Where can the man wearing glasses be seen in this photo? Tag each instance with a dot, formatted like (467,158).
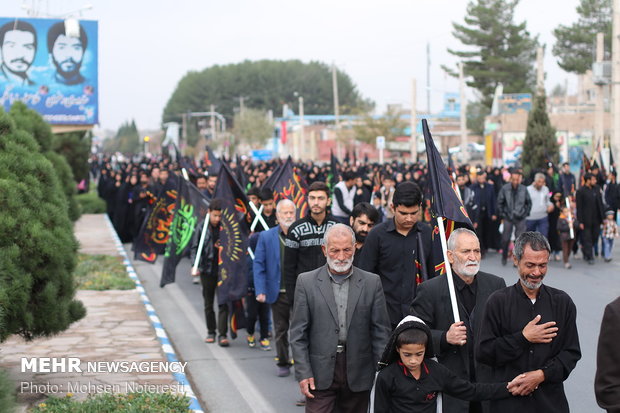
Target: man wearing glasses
(399,251)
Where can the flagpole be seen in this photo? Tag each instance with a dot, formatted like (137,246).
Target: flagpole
(570,218)
(258,218)
(185,175)
(205,228)
(444,247)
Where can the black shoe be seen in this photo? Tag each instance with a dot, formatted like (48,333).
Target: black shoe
(504,261)
(301,402)
(591,261)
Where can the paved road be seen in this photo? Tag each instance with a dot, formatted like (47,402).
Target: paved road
(243,379)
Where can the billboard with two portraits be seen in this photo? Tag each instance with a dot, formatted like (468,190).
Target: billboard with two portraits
(51,69)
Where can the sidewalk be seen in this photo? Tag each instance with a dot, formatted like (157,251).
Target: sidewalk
(116,329)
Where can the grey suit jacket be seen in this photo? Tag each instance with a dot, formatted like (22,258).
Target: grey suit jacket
(314,328)
(432,304)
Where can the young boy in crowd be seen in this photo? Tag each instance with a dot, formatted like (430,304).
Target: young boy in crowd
(565,222)
(610,231)
(410,381)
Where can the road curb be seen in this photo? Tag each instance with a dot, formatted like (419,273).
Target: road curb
(166,346)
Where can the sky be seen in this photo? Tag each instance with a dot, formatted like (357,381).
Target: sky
(146,47)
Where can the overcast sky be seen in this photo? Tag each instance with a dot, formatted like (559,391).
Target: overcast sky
(145,47)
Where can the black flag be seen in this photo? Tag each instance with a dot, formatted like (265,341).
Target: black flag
(445,202)
(155,230)
(234,232)
(190,210)
(290,185)
(211,161)
(233,244)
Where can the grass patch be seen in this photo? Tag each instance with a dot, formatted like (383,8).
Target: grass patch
(102,272)
(90,203)
(123,403)
(7,393)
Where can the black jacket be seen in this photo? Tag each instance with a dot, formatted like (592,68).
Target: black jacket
(432,304)
(205,266)
(590,206)
(513,205)
(503,346)
(302,251)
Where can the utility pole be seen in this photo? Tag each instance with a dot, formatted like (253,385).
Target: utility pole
(615,75)
(540,71)
(413,148)
(301,128)
(463,101)
(241,104)
(336,107)
(428,77)
(336,101)
(185,123)
(600,103)
(212,110)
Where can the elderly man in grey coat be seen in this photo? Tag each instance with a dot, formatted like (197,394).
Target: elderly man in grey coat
(339,329)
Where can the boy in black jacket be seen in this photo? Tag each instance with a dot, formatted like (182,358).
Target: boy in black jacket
(410,381)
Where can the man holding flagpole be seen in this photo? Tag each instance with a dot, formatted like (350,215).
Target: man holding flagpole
(207,273)
(454,341)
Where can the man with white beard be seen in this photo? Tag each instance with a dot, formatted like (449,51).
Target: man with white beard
(339,329)
(454,342)
(268,282)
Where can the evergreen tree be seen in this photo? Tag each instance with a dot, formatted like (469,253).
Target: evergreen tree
(540,145)
(30,121)
(127,139)
(575,45)
(37,247)
(65,176)
(498,50)
(75,147)
(265,85)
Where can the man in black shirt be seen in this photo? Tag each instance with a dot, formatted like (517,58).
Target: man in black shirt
(399,250)
(269,209)
(589,215)
(208,270)
(363,218)
(302,252)
(454,342)
(529,329)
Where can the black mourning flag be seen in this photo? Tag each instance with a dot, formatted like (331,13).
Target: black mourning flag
(288,184)
(190,210)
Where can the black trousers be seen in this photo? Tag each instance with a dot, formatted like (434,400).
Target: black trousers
(254,311)
(209,286)
(281,312)
(519,228)
(338,397)
(588,235)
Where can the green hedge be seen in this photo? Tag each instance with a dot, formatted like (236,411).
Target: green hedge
(118,403)
(90,203)
(7,393)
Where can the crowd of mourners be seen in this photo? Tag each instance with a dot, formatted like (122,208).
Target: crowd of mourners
(351,288)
